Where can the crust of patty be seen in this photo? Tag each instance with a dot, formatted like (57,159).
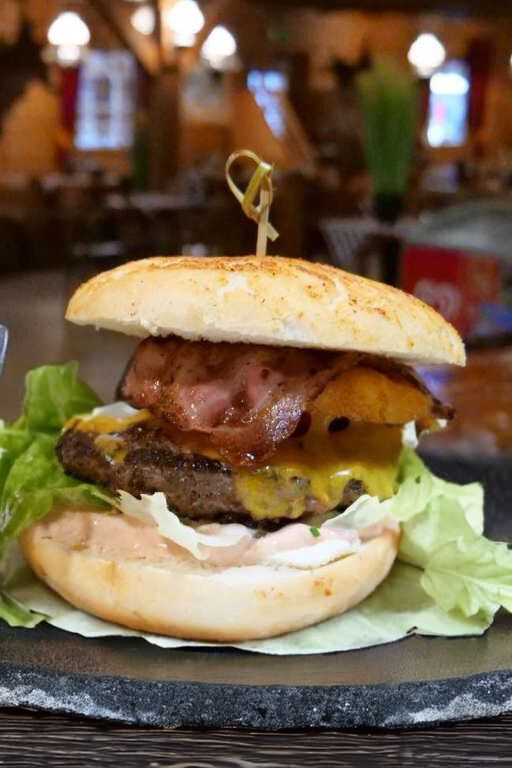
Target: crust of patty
(183,597)
(273,300)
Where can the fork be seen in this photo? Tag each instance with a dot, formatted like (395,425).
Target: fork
(4,338)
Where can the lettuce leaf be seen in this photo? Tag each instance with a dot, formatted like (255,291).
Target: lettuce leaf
(32,480)
(16,615)
(12,443)
(441,534)
(470,497)
(53,394)
(15,574)
(462,569)
(471,575)
(35,484)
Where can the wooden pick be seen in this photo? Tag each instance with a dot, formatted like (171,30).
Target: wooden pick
(259,184)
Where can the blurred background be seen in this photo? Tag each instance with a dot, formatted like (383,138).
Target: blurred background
(389,123)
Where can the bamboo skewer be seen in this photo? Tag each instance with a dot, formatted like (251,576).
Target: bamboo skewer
(260,185)
(265,202)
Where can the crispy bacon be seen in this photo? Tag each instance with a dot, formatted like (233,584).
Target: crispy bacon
(248,398)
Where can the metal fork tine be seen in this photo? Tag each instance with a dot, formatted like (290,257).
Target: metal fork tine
(4,338)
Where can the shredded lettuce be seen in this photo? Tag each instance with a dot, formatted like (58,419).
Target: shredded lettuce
(449,579)
(153,509)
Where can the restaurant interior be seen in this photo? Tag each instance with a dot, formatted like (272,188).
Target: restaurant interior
(388,124)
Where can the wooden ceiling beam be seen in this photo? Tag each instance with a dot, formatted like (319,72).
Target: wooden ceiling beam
(487,8)
(144,47)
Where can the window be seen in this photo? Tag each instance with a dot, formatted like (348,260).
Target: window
(267,89)
(106,101)
(448,105)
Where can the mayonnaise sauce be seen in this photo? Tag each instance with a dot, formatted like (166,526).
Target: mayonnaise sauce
(116,536)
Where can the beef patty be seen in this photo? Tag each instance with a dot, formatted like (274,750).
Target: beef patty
(147,461)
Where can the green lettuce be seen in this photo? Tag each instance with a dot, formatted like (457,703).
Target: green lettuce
(17,615)
(32,480)
(53,394)
(441,527)
(15,574)
(448,580)
(461,569)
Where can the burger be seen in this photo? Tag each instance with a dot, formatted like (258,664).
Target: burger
(262,414)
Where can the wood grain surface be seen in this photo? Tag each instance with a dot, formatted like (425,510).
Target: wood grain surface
(36,740)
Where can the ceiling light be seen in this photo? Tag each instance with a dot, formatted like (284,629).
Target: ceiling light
(69,29)
(143,20)
(219,46)
(426,54)
(185,20)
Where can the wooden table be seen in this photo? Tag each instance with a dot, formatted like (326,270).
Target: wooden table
(35,740)
(32,307)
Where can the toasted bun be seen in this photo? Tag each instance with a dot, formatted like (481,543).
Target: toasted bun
(183,597)
(271,300)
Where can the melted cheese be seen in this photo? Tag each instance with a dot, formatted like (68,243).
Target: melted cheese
(307,473)
(310,473)
(108,423)
(112,446)
(105,423)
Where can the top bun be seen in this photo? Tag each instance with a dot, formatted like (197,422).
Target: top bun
(265,300)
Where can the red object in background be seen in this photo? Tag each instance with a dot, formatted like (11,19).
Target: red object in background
(69,77)
(454,282)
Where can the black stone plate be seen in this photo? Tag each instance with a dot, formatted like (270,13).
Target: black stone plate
(415,681)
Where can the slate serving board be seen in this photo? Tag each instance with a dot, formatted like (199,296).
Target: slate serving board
(416,681)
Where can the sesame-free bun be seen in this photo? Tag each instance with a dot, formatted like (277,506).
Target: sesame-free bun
(270,300)
(175,594)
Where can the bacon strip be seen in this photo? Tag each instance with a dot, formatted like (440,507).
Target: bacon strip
(248,398)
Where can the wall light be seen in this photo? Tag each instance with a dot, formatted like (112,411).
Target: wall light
(426,54)
(219,47)
(185,20)
(143,19)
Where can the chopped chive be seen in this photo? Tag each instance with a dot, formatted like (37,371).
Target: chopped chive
(314,531)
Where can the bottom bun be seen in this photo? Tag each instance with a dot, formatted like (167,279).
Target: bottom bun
(172,593)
